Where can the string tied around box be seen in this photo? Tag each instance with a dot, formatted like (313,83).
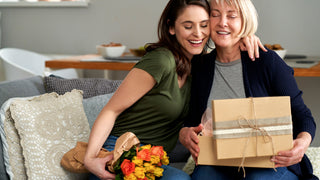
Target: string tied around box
(255,128)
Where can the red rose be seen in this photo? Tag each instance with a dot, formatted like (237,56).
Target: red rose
(127,167)
(144,154)
(157,151)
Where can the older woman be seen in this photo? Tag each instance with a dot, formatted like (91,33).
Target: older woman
(228,73)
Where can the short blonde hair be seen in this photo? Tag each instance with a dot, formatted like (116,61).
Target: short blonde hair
(248,13)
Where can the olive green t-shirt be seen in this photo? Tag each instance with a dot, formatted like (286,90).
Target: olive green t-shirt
(157,117)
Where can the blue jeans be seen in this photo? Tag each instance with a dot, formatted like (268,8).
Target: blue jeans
(169,173)
(223,172)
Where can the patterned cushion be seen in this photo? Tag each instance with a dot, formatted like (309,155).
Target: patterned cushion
(12,150)
(90,86)
(18,88)
(48,126)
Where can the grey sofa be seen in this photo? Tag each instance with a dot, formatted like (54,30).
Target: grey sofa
(92,89)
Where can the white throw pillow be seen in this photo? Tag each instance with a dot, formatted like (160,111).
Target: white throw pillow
(12,150)
(48,126)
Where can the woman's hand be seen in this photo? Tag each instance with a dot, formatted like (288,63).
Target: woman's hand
(137,83)
(97,166)
(188,137)
(295,155)
(252,44)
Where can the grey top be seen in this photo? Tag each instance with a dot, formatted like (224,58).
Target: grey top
(227,82)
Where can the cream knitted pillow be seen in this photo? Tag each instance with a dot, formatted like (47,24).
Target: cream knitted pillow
(48,126)
(12,150)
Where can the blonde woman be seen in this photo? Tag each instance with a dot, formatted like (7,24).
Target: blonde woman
(228,73)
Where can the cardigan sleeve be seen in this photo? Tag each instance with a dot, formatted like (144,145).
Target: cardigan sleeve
(285,84)
(277,79)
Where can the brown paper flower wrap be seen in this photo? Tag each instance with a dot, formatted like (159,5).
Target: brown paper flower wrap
(73,159)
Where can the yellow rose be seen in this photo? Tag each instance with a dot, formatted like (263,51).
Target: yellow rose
(165,160)
(158,172)
(164,154)
(139,172)
(149,167)
(148,146)
(150,176)
(137,161)
(155,159)
(130,177)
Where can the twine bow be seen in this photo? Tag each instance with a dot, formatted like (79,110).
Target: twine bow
(254,129)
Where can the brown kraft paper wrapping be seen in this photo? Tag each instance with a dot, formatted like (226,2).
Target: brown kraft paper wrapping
(248,130)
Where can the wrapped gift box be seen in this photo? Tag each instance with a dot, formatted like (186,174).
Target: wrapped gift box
(250,128)
(207,156)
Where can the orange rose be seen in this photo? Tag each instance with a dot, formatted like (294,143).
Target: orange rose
(127,167)
(157,151)
(144,154)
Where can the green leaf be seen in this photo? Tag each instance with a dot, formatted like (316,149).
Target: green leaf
(119,176)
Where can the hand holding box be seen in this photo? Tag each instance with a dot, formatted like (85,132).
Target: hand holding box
(248,129)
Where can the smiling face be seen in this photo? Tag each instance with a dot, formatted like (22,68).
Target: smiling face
(192,30)
(225,22)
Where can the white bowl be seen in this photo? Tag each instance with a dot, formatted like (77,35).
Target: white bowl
(281,53)
(112,51)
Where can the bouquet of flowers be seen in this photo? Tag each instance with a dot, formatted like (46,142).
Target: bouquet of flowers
(141,163)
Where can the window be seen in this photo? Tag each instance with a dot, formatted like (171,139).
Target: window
(43,3)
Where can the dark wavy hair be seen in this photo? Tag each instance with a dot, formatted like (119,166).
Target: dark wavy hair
(168,18)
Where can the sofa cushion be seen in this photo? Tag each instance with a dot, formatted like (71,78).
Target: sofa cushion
(93,105)
(14,162)
(48,126)
(19,88)
(90,86)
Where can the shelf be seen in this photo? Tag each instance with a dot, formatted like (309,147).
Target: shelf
(46,4)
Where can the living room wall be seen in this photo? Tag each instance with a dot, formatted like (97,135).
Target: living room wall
(70,30)
(291,23)
(62,30)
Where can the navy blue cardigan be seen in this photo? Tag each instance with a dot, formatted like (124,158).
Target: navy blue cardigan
(268,75)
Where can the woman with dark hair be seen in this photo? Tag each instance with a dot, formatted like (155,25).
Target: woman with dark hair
(153,99)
